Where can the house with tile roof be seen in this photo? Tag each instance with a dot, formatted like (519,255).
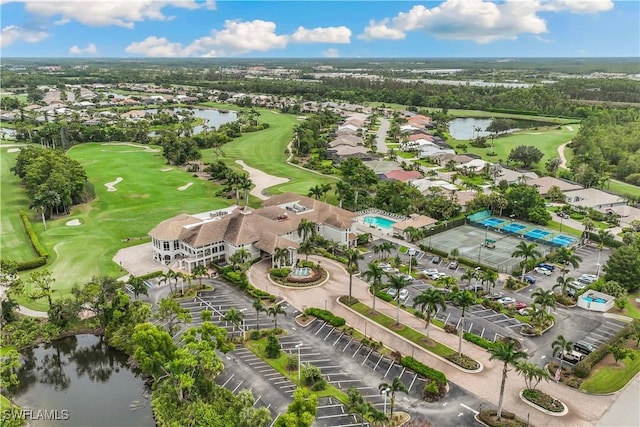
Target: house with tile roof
(200,239)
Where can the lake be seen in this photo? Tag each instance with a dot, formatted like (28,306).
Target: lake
(464,128)
(212,118)
(87,378)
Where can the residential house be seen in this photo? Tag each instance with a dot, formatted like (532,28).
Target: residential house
(514,177)
(544,183)
(190,240)
(593,198)
(401,175)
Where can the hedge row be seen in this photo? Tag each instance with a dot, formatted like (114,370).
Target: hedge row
(479,341)
(31,264)
(280,272)
(151,275)
(583,368)
(384,296)
(325,315)
(33,236)
(424,370)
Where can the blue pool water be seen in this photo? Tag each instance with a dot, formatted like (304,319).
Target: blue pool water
(600,300)
(379,221)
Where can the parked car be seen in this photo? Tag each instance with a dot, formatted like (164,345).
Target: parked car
(453,265)
(411,252)
(384,265)
(407,277)
(526,311)
(436,260)
(530,279)
(573,356)
(506,300)
(475,288)
(404,294)
(563,215)
(393,292)
(549,267)
(494,296)
(430,271)
(441,275)
(583,347)
(390,270)
(542,270)
(519,305)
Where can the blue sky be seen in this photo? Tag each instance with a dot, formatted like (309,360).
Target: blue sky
(209,28)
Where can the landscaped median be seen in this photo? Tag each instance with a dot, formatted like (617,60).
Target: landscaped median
(443,352)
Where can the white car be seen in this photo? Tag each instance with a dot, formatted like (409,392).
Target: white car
(541,270)
(441,275)
(384,265)
(404,294)
(393,292)
(406,277)
(430,271)
(390,270)
(506,300)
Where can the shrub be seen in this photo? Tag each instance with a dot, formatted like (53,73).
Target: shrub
(292,362)
(451,329)
(424,370)
(31,264)
(280,272)
(384,296)
(583,368)
(272,349)
(326,315)
(151,275)
(543,400)
(311,374)
(33,236)
(482,342)
(319,385)
(433,391)
(463,361)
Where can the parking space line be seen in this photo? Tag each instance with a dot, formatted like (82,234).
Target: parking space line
(229,379)
(492,315)
(365,359)
(325,338)
(345,347)
(357,350)
(413,381)
(338,339)
(237,387)
(378,362)
(600,335)
(321,328)
(390,366)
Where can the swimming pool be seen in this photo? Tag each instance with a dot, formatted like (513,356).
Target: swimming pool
(600,300)
(379,221)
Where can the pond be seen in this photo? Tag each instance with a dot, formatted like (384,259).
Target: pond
(212,118)
(465,128)
(86,378)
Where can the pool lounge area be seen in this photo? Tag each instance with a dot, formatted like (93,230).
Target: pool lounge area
(596,301)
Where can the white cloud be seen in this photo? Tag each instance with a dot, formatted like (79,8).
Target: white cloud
(577,6)
(12,33)
(156,47)
(90,49)
(331,53)
(381,30)
(482,21)
(322,35)
(240,37)
(123,13)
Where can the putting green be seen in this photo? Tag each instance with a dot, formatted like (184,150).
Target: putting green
(145,196)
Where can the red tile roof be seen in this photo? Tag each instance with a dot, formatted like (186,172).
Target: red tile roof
(404,176)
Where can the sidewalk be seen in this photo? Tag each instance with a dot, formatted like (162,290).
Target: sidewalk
(584,410)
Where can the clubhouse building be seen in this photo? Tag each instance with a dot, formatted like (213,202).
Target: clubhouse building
(189,240)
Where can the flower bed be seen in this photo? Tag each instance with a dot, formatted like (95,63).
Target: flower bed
(543,400)
(464,361)
(508,419)
(283,277)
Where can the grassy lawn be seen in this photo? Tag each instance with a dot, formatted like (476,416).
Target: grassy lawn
(552,225)
(547,140)
(280,365)
(404,331)
(15,243)
(405,155)
(623,188)
(145,197)
(608,379)
(633,308)
(265,150)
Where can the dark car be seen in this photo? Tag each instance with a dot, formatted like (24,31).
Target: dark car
(547,266)
(530,279)
(453,265)
(583,347)
(436,260)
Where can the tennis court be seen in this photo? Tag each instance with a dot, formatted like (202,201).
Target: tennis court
(493,222)
(563,240)
(470,241)
(514,227)
(537,234)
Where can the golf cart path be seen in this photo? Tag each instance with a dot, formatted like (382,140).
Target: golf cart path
(563,159)
(261,180)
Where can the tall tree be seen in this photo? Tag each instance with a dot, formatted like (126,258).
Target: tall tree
(235,317)
(396,386)
(307,229)
(41,283)
(315,191)
(280,256)
(259,307)
(353,256)
(560,346)
(398,283)
(429,301)
(199,271)
(510,356)
(374,274)
(544,299)
(526,252)
(275,310)
(172,315)
(464,300)
(137,286)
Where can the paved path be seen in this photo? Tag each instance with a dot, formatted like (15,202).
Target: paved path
(381,145)
(584,410)
(261,180)
(624,411)
(563,159)
(32,313)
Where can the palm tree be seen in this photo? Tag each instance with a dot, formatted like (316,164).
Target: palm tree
(374,274)
(455,253)
(490,277)
(280,256)
(429,301)
(274,311)
(325,189)
(306,247)
(589,225)
(378,418)
(565,257)
(357,405)
(559,347)
(258,306)
(315,191)
(386,248)
(525,251)
(398,283)
(395,386)
(544,299)
(239,257)
(137,286)
(464,300)
(469,274)
(562,283)
(509,355)
(235,317)
(352,255)
(603,236)
(245,185)
(168,277)
(199,271)
(306,229)
(532,374)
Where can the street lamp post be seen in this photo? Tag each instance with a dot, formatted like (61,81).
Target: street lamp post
(384,393)
(561,218)
(298,347)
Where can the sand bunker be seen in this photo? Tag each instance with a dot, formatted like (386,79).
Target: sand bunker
(184,187)
(13,150)
(261,180)
(166,169)
(111,186)
(73,223)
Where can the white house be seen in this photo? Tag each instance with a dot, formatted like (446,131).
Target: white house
(191,240)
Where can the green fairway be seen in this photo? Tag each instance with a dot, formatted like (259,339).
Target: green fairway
(623,188)
(14,241)
(547,140)
(146,196)
(265,150)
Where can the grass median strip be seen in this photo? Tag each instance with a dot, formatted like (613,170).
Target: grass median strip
(609,379)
